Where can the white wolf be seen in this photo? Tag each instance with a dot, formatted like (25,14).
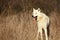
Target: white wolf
(42,22)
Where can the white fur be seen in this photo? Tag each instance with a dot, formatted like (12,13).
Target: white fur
(42,22)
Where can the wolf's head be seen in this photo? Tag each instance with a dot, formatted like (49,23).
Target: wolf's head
(36,12)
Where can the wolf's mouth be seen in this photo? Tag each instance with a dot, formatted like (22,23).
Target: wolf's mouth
(34,18)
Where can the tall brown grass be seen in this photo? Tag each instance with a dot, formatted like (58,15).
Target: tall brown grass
(16,19)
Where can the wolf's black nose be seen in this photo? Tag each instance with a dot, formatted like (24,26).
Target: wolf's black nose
(32,16)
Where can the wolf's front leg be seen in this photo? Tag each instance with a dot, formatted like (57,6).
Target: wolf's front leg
(46,34)
(41,34)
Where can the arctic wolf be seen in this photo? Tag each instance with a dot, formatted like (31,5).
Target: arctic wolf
(42,22)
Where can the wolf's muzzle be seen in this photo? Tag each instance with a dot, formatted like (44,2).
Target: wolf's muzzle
(34,17)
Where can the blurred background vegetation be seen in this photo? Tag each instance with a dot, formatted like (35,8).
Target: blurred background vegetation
(16,19)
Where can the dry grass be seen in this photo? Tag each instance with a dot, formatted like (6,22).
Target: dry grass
(16,20)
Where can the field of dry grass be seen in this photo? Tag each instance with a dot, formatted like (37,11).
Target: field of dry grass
(16,19)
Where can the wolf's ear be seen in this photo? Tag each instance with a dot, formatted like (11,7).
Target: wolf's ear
(33,9)
(39,9)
